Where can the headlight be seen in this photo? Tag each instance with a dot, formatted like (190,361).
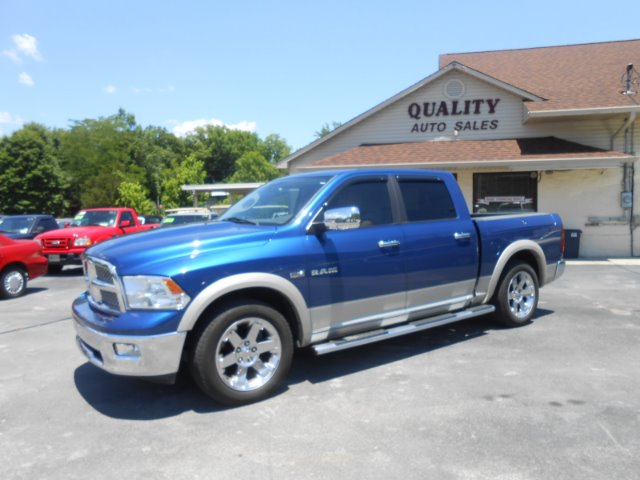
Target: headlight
(82,242)
(154,293)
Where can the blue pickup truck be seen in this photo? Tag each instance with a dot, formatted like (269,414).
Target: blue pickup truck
(327,260)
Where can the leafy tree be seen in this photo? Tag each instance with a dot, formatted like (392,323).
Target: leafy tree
(219,148)
(327,129)
(253,167)
(31,180)
(187,172)
(134,195)
(274,148)
(92,150)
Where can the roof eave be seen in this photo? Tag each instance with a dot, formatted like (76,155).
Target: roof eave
(568,163)
(573,112)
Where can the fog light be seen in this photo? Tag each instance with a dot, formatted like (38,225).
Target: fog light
(126,349)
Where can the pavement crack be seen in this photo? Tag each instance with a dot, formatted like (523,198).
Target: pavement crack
(30,327)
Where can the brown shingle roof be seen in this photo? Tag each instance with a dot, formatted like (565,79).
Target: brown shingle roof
(460,151)
(569,77)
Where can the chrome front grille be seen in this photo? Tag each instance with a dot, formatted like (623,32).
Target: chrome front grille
(57,243)
(103,286)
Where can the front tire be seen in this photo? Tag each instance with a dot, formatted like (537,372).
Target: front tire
(13,282)
(516,299)
(242,354)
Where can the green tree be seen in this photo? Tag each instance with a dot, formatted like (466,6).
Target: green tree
(187,172)
(134,195)
(93,151)
(327,129)
(274,148)
(219,148)
(31,180)
(253,167)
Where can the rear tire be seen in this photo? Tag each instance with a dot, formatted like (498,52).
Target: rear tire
(516,298)
(242,354)
(13,282)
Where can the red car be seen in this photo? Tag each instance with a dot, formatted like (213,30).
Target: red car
(20,260)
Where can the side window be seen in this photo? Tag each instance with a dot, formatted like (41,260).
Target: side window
(127,216)
(426,199)
(370,198)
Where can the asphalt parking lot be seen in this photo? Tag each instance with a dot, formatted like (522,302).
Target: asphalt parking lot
(557,399)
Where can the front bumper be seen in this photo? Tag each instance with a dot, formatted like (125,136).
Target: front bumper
(131,355)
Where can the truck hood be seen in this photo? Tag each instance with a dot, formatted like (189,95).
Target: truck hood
(170,251)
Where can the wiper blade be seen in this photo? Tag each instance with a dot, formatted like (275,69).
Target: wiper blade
(240,220)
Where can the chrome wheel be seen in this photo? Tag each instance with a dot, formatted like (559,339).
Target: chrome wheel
(14,283)
(248,354)
(522,294)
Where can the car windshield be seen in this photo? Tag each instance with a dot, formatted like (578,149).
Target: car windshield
(16,224)
(102,218)
(277,202)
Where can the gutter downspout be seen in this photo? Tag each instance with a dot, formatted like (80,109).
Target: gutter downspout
(628,181)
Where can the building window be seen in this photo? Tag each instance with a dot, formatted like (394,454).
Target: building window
(505,192)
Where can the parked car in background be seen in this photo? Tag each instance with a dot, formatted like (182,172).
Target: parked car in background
(20,261)
(183,216)
(26,227)
(65,246)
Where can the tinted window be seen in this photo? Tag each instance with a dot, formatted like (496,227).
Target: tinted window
(371,198)
(426,199)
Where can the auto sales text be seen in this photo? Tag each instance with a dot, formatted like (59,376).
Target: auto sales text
(454,108)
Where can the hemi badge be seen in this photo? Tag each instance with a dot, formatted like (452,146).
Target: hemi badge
(298,274)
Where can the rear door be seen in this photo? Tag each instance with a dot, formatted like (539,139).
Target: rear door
(355,269)
(440,249)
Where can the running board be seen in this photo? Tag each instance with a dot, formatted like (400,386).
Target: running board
(404,329)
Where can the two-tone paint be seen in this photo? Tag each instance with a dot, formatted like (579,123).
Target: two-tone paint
(329,285)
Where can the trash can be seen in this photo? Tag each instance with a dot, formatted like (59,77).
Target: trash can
(572,243)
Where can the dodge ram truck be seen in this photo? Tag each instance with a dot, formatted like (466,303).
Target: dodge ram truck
(65,246)
(324,260)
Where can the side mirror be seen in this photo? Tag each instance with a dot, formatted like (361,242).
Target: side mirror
(342,218)
(125,223)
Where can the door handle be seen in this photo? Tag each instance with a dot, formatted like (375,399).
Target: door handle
(388,243)
(462,235)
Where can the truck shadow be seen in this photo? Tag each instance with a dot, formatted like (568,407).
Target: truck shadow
(133,399)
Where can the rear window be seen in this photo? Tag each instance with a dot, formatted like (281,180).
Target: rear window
(426,199)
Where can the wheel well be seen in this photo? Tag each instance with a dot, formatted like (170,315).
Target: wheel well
(19,265)
(271,297)
(527,257)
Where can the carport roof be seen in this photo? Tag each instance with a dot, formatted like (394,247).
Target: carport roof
(523,153)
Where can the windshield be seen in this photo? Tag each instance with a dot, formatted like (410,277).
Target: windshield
(102,218)
(277,202)
(16,224)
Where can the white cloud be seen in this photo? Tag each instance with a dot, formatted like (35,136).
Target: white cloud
(110,89)
(184,128)
(9,119)
(24,45)
(25,79)
(13,56)
(27,45)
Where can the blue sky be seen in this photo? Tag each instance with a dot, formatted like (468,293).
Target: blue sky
(285,67)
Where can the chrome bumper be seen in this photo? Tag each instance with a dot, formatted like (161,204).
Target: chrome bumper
(139,356)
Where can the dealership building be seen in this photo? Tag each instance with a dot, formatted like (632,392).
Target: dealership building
(542,129)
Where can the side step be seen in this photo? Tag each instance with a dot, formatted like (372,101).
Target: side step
(404,329)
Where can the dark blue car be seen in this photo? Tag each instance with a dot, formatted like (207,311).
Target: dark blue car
(25,227)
